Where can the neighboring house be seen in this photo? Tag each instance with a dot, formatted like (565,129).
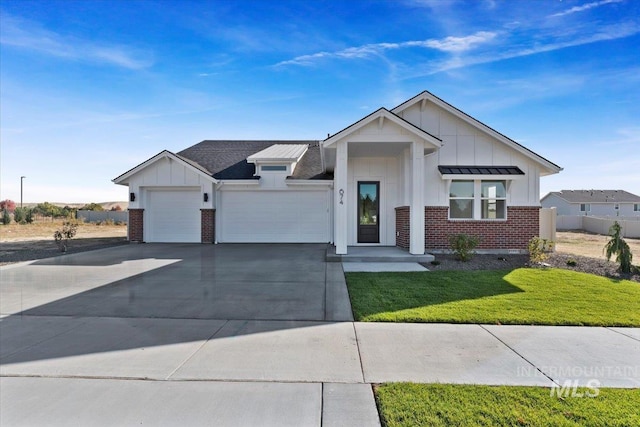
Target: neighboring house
(406,177)
(593,202)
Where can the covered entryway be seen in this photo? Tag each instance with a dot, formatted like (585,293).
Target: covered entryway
(275,216)
(172,216)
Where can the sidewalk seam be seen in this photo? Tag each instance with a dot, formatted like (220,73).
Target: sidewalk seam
(521,356)
(620,333)
(180,365)
(355,333)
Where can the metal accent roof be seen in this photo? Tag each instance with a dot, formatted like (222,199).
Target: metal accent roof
(480,170)
(596,196)
(279,152)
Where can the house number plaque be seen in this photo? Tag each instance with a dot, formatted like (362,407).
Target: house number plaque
(341,196)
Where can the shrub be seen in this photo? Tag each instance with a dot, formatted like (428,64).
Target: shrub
(618,247)
(572,262)
(463,245)
(92,207)
(108,221)
(538,249)
(19,215)
(7,204)
(6,218)
(63,236)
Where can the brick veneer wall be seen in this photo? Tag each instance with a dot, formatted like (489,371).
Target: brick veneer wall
(136,225)
(402,227)
(208,225)
(523,222)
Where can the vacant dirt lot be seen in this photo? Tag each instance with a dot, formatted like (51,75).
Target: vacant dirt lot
(34,241)
(589,245)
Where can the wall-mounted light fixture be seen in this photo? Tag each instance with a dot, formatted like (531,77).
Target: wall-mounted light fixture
(132,197)
(206,197)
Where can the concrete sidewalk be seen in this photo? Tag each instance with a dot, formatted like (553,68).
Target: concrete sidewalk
(284,372)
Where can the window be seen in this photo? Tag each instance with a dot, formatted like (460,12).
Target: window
(273,168)
(616,206)
(494,199)
(461,197)
(636,207)
(585,207)
(478,199)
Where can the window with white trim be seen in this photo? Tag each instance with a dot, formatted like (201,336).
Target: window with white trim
(585,207)
(616,206)
(478,199)
(636,207)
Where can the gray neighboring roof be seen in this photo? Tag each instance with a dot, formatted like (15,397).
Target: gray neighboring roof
(596,196)
(480,170)
(228,159)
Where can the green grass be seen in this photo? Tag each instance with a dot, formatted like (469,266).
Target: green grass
(524,296)
(403,404)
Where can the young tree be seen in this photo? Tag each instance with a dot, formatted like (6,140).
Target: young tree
(6,218)
(8,205)
(618,247)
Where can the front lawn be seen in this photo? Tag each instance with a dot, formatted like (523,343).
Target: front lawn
(524,296)
(403,404)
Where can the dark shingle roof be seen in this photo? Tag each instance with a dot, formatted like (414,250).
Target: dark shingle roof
(480,170)
(228,159)
(597,196)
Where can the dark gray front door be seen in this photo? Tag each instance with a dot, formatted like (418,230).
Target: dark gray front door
(368,212)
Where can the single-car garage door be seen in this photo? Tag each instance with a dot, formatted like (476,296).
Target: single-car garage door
(172,216)
(274,217)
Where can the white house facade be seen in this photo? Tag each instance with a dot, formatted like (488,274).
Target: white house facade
(406,177)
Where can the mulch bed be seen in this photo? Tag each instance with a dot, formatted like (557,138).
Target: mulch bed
(584,264)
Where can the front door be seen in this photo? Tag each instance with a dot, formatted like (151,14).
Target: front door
(368,212)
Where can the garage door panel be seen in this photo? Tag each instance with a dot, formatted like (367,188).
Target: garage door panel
(275,217)
(173,216)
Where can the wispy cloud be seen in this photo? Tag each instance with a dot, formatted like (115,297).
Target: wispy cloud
(27,35)
(448,44)
(584,7)
(613,32)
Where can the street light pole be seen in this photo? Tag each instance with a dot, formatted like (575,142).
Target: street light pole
(21,179)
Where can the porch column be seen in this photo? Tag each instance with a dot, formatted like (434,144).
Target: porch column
(416,224)
(341,199)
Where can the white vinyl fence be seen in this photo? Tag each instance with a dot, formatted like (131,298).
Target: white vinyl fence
(95,216)
(600,225)
(548,224)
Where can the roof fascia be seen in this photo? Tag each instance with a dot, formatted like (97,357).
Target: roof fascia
(122,179)
(388,115)
(426,95)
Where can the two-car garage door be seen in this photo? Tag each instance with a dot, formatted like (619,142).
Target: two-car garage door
(274,217)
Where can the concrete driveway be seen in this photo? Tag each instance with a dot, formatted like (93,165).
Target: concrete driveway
(246,335)
(248,282)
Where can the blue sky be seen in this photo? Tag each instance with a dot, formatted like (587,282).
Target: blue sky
(89,89)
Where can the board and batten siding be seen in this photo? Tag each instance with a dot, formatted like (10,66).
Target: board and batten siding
(168,173)
(465,145)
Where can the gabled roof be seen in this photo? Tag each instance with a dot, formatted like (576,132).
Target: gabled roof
(383,114)
(595,196)
(280,153)
(428,96)
(228,159)
(190,164)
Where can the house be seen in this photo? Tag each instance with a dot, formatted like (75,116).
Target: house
(406,177)
(593,202)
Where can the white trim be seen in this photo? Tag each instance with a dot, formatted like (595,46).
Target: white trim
(121,180)
(463,177)
(307,183)
(234,182)
(382,113)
